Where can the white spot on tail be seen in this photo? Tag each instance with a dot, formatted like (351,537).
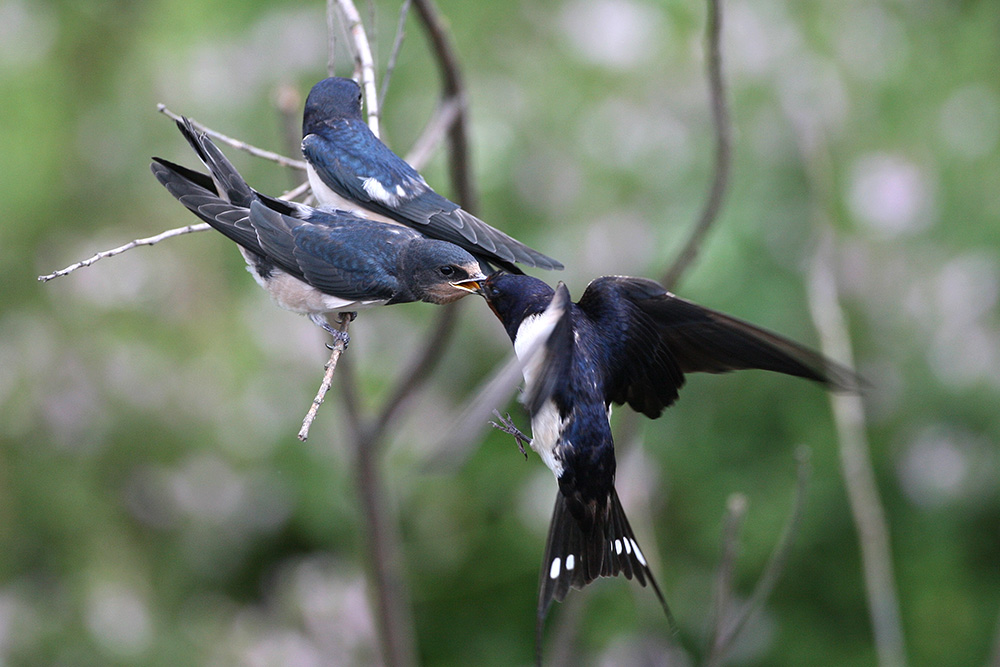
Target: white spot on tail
(554,570)
(618,546)
(570,562)
(638,554)
(628,547)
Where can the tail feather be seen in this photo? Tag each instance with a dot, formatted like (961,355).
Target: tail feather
(575,556)
(193,191)
(228,181)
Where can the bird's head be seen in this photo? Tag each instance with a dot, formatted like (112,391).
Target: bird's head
(514,297)
(442,272)
(330,99)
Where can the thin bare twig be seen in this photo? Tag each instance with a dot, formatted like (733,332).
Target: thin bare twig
(331,42)
(236,143)
(151,240)
(434,132)
(397,45)
(363,62)
(723,150)
(736,510)
(337,349)
(454,88)
(855,461)
(725,633)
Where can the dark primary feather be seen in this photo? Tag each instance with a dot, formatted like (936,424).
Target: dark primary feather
(345,153)
(661,337)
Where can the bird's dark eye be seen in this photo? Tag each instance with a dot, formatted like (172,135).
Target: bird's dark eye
(447,270)
(494,291)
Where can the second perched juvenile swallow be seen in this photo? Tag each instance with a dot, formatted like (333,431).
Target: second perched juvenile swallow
(627,340)
(351,169)
(316,261)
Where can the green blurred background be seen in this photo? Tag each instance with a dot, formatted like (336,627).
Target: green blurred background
(155,505)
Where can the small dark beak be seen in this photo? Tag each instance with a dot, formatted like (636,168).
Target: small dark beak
(471,285)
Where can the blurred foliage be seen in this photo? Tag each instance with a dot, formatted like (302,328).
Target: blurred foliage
(155,505)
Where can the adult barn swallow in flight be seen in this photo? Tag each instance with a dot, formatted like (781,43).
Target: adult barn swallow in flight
(315,261)
(627,340)
(351,169)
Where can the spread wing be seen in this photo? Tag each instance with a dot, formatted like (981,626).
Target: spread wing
(660,337)
(353,163)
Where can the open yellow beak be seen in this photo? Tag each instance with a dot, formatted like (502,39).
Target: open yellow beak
(470,285)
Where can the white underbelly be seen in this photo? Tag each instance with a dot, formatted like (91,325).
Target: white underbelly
(299,297)
(546,430)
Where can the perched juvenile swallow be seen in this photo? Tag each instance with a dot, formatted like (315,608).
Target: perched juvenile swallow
(314,261)
(627,340)
(351,169)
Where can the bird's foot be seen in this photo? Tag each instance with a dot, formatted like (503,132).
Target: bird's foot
(338,335)
(507,426)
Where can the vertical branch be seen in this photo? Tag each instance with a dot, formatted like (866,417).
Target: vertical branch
(725,631)
(855,461)
(723,150)
(382,537)
(736,511)
(381,531)
(331,42)
(454,88)
(329,369)
(397,45)
(364,65)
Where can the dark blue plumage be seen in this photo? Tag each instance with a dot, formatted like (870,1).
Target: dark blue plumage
(627,340)
(351,169)
(315,261)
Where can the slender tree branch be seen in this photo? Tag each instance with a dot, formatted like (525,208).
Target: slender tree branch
(454,88)
(397,45)
(331,41)
(736,509)
(151,240)
(236,143)
(434,132)
(419,370)
(855,460)
(337,349)
(723,150)
(382,535)
(725,631)
(288,102)
(363,63)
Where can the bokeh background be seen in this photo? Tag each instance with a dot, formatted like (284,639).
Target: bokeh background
(155,505)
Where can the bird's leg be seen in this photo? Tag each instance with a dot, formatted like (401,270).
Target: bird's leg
(338,335)
(507,426)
